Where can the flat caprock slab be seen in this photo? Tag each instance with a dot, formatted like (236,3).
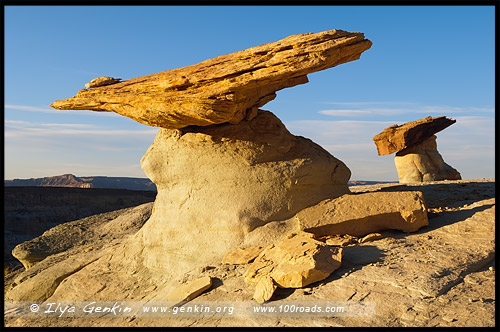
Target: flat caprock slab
(226,88)
(399,137)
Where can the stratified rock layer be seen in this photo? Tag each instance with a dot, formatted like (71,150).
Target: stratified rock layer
(218,183)
(423,163)
(398,137)
(227,88)
(80,232)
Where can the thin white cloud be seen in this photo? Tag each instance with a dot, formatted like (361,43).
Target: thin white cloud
(26,129)
(340,128)
(30,108)
(18,124)
(345,112)
(362,103)
(42,132)
(398,108)
(482,109)
(365,112)
(473,119)
(55,111)
(349,147)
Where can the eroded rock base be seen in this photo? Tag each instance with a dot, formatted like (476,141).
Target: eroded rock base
(218,184)
(423,163)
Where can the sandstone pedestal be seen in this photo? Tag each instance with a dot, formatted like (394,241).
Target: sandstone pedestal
(216,184)
(423,163)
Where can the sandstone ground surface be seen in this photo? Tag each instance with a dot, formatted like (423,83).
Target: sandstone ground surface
(443,275)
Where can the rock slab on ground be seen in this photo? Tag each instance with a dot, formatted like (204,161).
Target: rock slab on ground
(264,289)
(242,255)
(30,211)
(92,229)
(364,213)
(67,248)
(189,291)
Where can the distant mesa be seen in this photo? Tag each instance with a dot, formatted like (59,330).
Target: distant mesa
(70,180)
(417,158)
(366,183)
(130,183)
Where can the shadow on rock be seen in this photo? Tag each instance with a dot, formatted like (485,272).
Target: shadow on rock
(451,217)
(441,220)
(354,258)
(282,293)
(455,192)
(216,283)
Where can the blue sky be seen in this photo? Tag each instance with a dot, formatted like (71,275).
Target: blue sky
(425,60)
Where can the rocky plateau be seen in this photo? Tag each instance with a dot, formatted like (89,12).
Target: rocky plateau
(443,275)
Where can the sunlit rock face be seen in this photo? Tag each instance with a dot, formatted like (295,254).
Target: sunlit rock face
(226,88)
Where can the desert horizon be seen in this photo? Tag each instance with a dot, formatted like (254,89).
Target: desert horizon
(69,179)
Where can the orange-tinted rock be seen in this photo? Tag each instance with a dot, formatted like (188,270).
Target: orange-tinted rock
(362,214)
(295,262)
(264,289)
(398,137)
(242,255)
(189,291)
(227,88)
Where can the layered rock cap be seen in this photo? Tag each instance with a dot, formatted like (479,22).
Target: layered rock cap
(227,88)
(222,182)
(399,137)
